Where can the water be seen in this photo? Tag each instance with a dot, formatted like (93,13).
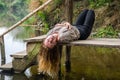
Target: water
(11,46)
(87,63)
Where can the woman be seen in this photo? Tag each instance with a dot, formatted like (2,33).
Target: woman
(49,56)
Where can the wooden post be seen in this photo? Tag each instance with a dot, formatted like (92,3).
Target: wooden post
(68,16)
(2,77)
(60,51)
(69,10)
(2,50)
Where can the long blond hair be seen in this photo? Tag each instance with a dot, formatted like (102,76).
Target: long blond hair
(48,61)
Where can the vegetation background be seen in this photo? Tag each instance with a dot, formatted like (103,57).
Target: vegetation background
(107,23)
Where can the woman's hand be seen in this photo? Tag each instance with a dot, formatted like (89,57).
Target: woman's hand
(67,24)
(64,24)
(59,25)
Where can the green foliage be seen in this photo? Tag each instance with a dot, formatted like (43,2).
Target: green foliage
(2,6)
(12,11)
(108,32)
(56,18)
(43,16)
(98,3)
(31,20)
(25,32)
(58,2)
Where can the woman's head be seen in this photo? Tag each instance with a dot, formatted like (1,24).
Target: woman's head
(51,40)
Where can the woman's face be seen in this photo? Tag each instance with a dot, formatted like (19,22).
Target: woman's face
(51,41)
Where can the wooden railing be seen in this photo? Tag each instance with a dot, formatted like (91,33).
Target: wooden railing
(16,25)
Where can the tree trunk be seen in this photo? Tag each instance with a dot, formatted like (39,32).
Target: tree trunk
(69,10)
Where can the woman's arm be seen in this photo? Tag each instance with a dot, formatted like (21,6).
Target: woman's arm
(67,35)
(64,24)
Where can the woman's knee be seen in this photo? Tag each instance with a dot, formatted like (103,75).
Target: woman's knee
(91,13)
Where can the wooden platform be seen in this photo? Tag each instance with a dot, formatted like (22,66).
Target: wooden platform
(33,46)
(7,66)
(106,42)
(98,42)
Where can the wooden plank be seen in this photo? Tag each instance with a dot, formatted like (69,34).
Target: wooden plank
(19,55)
(7,66)
(106,42)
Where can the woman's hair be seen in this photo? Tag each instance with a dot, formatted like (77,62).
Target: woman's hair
(48,61)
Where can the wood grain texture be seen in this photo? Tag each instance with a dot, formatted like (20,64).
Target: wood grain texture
(106,42)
